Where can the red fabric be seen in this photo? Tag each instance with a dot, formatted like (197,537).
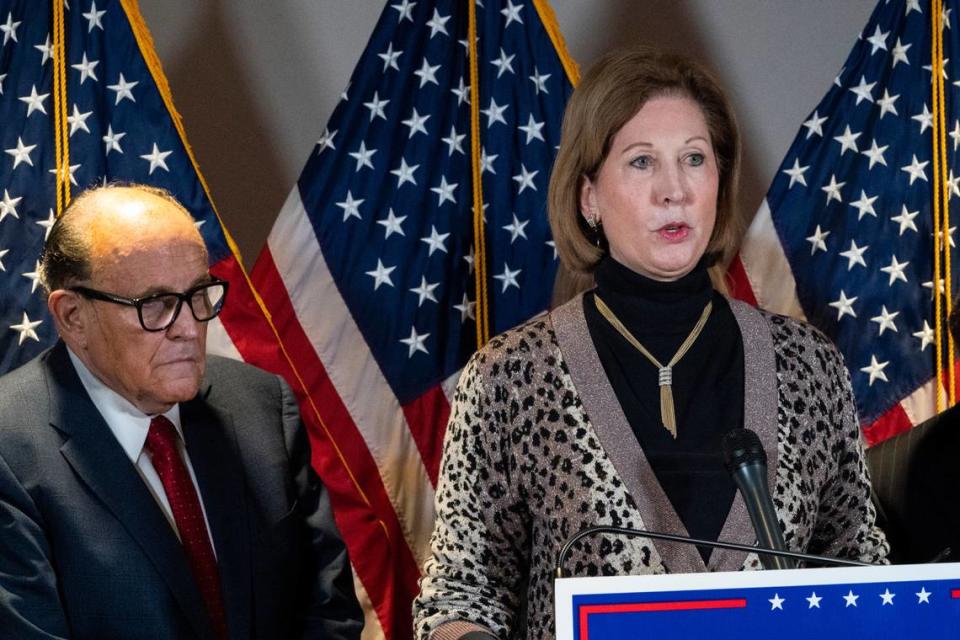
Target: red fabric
(187,513)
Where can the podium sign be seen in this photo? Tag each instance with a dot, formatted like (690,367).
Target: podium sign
(905,601)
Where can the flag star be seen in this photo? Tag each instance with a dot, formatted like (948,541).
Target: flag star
(416,123)
(462,92)
(157,158)
(48,223)
(817,240)
(392,224)
(516,229)
(878,41)
(78,120)
(815,125)
(415,342)
(438,24)
(953,183)
(923,596)
(444,191)
(425,291)
(495,113)
(381,275)
(8,206)
(9,30)
(427,73)
(864,90)
(345,94)
(900,54)
(886,321)
(112,140)
(929,285)
(351,207)
(916,169)
(508,278)
(854,255)
(123,89)
(796,173)
(525,178)
(86,69)
(844,305)
(836,79)
(814,600)
(955,134)
(864,205)
(943,69)
(33,276)
(486,161)
(34,101)
(326,140)
(850,599)
(776,602)
(466,309)
(503,63)
(833,189)
(436,241)
(404,173)
(875,154)
(93,17)
(875,371)
(925,335)
(886,104)
(532,129)
(469,259)
(848,141)
(512,13)
(2,76)
(886,596)
(21,153)
(539,81)
(905,219)
(404,9)
(453,141)
(390,58)
(553,245)
(376,107)
(4,252)
(913,5)
(71,170)
(362,156)
(27,329)
(925,118)
(945,18)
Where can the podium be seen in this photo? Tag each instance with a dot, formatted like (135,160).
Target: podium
(905,601)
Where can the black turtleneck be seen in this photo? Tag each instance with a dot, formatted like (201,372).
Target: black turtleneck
(707,383)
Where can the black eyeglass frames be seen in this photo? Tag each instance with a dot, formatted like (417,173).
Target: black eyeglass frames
(159,311)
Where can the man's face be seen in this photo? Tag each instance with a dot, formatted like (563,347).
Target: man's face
(153,370)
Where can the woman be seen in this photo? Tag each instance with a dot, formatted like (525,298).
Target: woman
(610,410)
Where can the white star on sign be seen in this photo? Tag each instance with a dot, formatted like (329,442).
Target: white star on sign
(864,90)
(905,219)
(466,309)
(814,600)
(817,240)
(525,178)
(925,335)
(895,270)
(438,24)
(27,329)
(844,305)
(875,154)
(851,599)
(875,370)
(886,104)
(93,17)
(392,224)
(436,241)
(78,120)
(539,81)
(854,255)
(495,113)
(532,129)
(886,596)
(123,89)
(776,602)
(351,207)
(899,54)
(864,205)
(9,29)
(916,169)
(111,141)
(878,41)
(815,125)
(425,291)
(34,101)
(86,69)
(404,173)
(923,596)
(833,189)
(381,275)
(503,63)
(796,173)
(415,342)
(925,118)
(847,141)
(453,141)
(157,158)
(415,123)
(886,320)
(508,278)
(512,13)
(427,73)
(376,107)
(362,156)
(8,206)
(21,153)
(444,191)
(516,228)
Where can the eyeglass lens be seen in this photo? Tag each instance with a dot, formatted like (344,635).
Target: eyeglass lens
(158,312)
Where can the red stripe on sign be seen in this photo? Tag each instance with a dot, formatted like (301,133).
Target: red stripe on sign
(894,421)
(739,282)
(367,520)
(642,607)
(423,415)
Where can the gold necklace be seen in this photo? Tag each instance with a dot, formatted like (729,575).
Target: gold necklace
(668,414)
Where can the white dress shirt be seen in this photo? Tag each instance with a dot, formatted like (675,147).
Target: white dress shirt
(129,426)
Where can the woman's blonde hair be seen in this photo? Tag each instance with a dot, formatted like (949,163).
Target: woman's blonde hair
(609,95)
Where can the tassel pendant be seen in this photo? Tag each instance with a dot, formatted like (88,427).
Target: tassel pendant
(667,412)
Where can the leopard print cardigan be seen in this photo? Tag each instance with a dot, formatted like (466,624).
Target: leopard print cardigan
(537,449)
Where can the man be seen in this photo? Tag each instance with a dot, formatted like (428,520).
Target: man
(147,490)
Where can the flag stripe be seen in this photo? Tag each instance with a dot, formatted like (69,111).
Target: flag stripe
(427,417)
(767,268)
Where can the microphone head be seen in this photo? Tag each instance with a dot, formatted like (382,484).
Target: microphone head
(742,447)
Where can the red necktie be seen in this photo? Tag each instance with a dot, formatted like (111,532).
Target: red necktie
(187,513)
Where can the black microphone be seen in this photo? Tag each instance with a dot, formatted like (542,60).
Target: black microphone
(747,463)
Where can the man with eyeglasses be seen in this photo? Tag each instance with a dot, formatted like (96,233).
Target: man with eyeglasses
(148,490)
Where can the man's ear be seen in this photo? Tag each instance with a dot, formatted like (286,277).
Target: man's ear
(67,310)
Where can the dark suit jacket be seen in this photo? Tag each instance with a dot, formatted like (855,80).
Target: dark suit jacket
(86,552)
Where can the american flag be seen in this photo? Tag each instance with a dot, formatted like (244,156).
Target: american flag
(845,236)
(369,272)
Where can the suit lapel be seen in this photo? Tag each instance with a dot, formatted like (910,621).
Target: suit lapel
(211,442)
(100,462)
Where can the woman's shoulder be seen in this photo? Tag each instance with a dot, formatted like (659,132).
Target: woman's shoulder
(524,342)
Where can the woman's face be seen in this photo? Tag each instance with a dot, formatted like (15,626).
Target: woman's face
(656,191)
